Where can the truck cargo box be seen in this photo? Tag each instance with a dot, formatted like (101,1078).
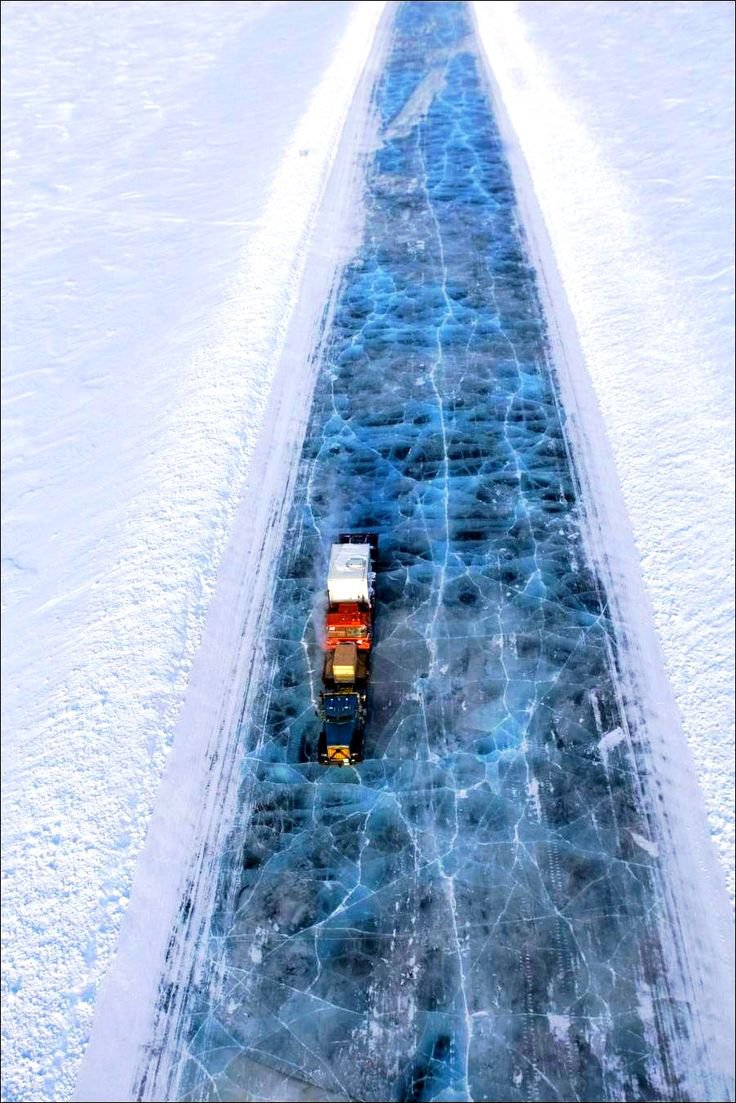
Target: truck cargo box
(360,670)
(345,663)
(350,576)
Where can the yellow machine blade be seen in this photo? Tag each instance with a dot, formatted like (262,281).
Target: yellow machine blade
(338,756)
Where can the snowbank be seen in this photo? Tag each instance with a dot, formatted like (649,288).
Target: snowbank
(623,113)
(164,165)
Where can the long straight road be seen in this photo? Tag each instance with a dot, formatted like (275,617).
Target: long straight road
(477,911)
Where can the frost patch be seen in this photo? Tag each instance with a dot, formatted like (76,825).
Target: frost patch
(609,741)
(651,848)
(559,1025)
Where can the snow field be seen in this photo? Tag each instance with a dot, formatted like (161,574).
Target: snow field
(156,225)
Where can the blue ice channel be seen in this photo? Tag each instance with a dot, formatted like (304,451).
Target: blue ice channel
(467,915)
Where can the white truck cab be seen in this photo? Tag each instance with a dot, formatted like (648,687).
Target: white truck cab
(350,577)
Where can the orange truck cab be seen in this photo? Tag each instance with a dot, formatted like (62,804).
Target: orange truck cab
(348,622)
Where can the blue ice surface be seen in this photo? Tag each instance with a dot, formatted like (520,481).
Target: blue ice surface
(467,914)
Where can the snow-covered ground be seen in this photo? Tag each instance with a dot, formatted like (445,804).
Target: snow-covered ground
(163,164)
(624,115)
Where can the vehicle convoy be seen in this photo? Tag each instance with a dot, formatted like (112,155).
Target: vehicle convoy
(348,639)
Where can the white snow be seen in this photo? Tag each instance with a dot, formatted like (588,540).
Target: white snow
(559,1026)
(611,740)
(532,789)
(163,166)
(646,844)
(624,116)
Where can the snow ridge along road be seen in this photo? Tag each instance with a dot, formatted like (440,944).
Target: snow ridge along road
(156,227)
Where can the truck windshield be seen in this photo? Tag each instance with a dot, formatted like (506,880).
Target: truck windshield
(340,708)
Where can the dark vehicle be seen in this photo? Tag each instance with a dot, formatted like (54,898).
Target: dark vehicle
(343,719)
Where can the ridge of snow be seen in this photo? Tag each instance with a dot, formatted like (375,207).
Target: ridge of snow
(156,226)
